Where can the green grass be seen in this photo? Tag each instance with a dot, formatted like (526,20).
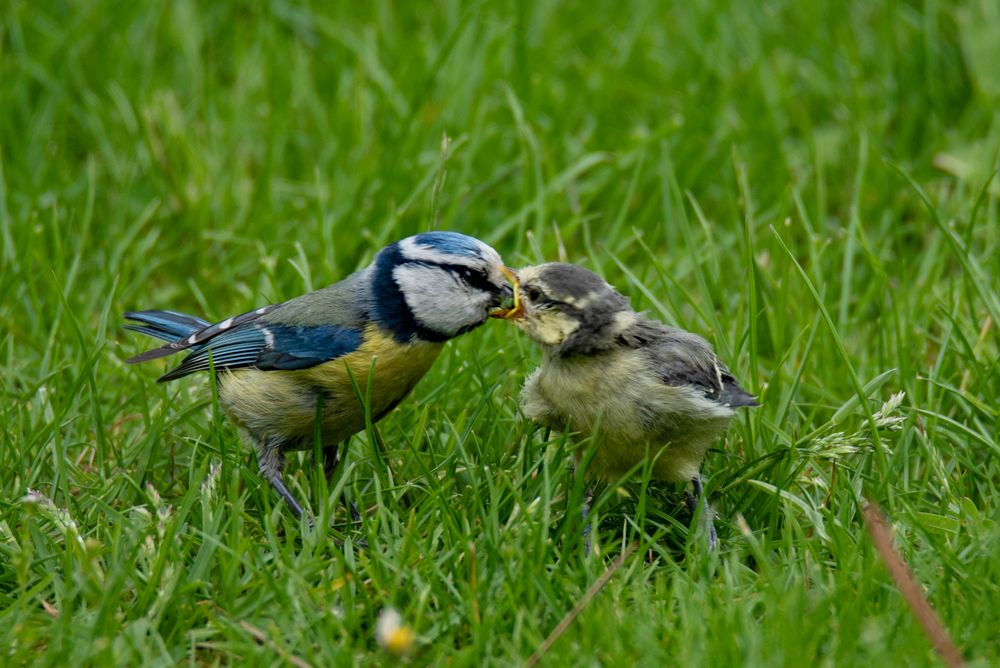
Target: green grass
(808,185)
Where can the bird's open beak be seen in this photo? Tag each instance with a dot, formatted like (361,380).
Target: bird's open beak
(516,309)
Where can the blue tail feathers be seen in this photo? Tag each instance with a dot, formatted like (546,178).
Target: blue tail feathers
(185,332)
(165,325)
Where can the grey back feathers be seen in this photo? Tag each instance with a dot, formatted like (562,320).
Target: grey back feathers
(346,304)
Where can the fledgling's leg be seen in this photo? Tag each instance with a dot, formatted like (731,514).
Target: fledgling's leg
(331,460)
(271,461)
(588,496)
(692,504)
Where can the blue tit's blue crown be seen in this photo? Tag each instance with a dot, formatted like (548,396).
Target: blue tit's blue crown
(452,243)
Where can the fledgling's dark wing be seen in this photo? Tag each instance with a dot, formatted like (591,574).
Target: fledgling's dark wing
(681,358)
(270,347)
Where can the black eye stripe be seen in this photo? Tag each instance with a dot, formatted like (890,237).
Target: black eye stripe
(480,281)
(475,278)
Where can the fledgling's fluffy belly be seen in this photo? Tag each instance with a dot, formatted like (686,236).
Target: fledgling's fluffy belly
(633,415)
(283,405)
(674,459)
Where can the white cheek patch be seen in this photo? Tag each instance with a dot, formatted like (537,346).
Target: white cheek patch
(439,300)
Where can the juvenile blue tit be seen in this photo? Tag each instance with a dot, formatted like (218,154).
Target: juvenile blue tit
(283,367)
(653,392)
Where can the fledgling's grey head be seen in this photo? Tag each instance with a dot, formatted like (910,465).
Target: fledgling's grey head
(437,285)
(570,310)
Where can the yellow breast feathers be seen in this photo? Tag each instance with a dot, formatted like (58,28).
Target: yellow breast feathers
(283,404)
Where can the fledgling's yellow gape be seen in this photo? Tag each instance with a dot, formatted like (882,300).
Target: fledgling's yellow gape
(652,391)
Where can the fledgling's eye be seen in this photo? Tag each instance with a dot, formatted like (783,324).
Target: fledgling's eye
(533,293)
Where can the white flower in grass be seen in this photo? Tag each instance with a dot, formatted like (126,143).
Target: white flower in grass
(392,634)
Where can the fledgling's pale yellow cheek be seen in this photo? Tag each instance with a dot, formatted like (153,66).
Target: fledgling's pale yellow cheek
(547,327)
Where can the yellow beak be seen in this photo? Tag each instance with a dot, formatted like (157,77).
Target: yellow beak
(517,309)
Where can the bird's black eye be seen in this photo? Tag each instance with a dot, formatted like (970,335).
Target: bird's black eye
(533,293)
(476,278)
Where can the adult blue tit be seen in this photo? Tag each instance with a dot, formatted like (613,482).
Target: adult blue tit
(283,367)
(651,392)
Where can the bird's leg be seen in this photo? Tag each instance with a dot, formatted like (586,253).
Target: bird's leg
(331,460)
(279,485)
(691,500)
(271,461)
(692,504)
(588,496)
(352,509)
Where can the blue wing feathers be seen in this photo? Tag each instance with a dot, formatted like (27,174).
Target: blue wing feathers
(229,325)
(303,347)
(269,348)
(241,341)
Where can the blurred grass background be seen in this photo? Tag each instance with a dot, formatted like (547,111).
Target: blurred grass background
(808,185)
